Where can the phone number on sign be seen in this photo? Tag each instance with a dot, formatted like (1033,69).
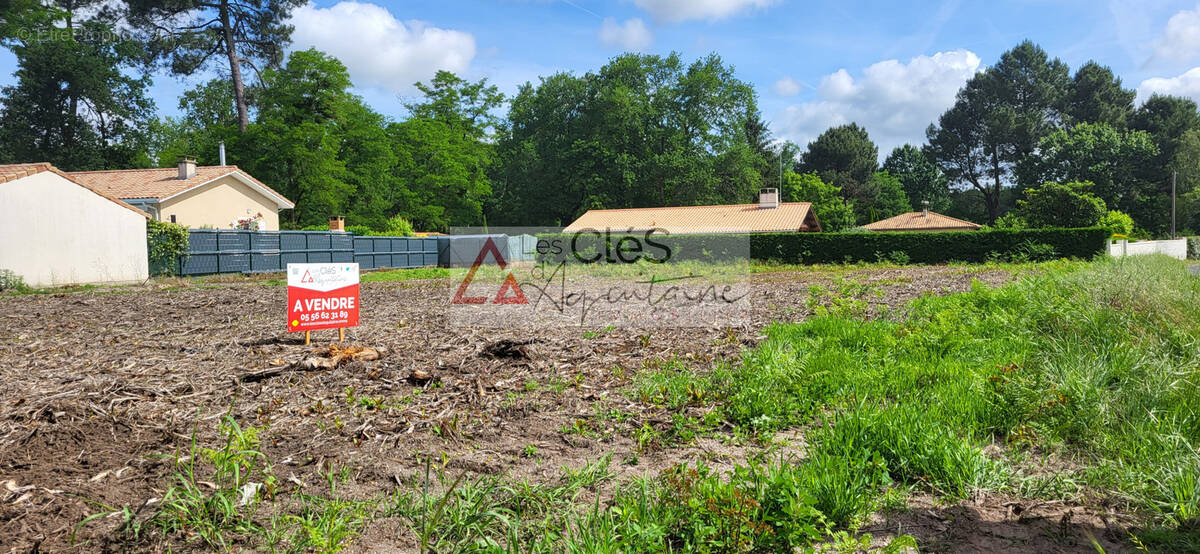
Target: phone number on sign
(325,316)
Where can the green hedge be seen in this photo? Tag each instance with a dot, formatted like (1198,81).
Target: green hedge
(929,247)
(812,248)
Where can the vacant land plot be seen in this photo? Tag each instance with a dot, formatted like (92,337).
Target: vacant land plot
(183,417)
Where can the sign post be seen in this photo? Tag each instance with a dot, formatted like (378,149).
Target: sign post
(322,296)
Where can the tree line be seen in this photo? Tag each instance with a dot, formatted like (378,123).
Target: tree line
(1025,142)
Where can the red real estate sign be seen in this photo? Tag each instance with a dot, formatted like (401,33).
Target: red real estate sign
(322,296)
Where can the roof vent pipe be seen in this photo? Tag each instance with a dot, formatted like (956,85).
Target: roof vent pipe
(925,208)
(768,198)
(221,152)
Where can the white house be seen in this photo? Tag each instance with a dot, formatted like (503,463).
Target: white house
(55,231)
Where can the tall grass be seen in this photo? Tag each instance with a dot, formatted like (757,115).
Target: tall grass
(1094,364)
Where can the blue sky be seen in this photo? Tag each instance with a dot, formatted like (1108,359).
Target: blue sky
(890,67)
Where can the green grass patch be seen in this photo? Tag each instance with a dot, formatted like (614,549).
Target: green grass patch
(1096,363)
(396,275)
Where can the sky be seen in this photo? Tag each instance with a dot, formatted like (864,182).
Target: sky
(891,67)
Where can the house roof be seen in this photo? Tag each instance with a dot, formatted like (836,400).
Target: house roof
(13,172)
(163,183)
(682,220)
(921,221)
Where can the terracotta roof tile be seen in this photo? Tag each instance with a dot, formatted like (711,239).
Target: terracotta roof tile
(682,220)
(921,221)
(159,183)
(16,171)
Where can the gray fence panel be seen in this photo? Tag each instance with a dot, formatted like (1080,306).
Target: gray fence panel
(238,251)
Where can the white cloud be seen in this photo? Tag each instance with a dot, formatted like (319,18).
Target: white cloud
(786,86)
(1180,41)
(894,101)
(378,49)
(631,35)
(1186,85)
(674,11)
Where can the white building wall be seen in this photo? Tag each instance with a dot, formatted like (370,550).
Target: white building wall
(1174,248)
(54,232)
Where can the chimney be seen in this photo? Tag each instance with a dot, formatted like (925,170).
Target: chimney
(337,223)
(768,199)
(924,208)
(221,152)
(187,167)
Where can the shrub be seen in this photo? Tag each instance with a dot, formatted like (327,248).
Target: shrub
(11,282)
(360,230)
(1193,248)
(1117,223)
(398,226)
(1069,205)
(1011,221)
(166,244)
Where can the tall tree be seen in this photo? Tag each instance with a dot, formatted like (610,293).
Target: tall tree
(1167,119)
(997,121)
(642,131)
(1097,97)
(445,152)
(890,199)
(842,152)
(295,144)
(846,157)
(921,179)
(80,100)
(209,117)
(191,34)
(1120,166)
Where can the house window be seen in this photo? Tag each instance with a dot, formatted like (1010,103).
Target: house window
(172,218)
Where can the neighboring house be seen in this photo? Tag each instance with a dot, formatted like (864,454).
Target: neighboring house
(210,196)
(55,230)
(923,220)
(768,216)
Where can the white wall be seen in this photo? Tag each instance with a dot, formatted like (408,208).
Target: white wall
(1174,248)
(55,232)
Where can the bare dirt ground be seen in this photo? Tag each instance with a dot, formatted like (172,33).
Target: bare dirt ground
(102,388)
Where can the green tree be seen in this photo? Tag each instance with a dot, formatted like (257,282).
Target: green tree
(445,152)
(1097,97)
(829,206)
(190,35)
(209,117)
(295,143)
(997,121)
(642,131)
(1119,164)
(80,100)
(843,155)
(890,199)
(1167,119)
(921,179)
(1061,205)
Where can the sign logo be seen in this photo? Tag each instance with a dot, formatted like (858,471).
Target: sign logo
(509,286)
(322,296)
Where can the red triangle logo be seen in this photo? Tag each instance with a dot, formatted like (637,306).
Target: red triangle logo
(307,277)
(510,283)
